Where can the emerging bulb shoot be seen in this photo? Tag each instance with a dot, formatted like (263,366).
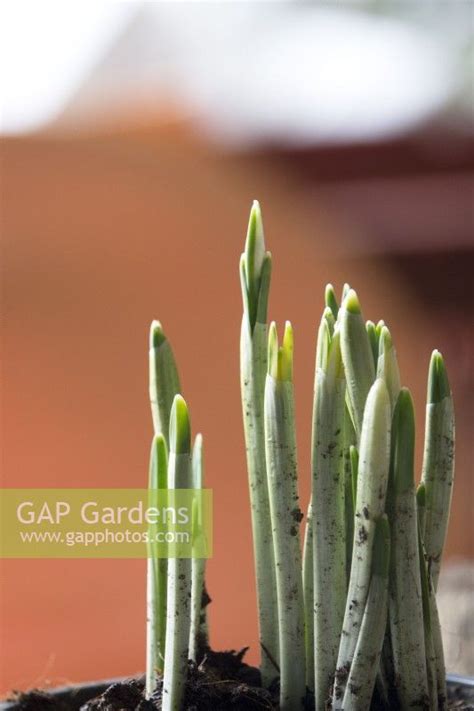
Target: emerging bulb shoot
(438,383)
(280,358)
(180,427)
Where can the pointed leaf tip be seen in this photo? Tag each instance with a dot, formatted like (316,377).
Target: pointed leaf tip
(421,495)
(273,350)
(330,300)
(288,336)
(158,463)
(180,427)
(286,357)
(405,405)
(378,393)
(345,290)
(264,288)
(351,302)
(328,316)
(255,269)
(438,383)
(157,336)
(403,441)
(280,358)
(254,244)
(373,339)
(324,339)
(334,366)
(159,443)
(385,340)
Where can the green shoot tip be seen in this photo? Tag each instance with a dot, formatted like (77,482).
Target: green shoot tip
(158,463)
(438,383)
(157,336)
(373,339)
(180,427)
(403,441)
(324,339)
(405,404)
(351,302)
(330,300)
(378,395)
(255,269)
(159,441)
(345,290)
(385,340)
(421,495)
(254,244)
(280,358)
(328,316)
(378,328)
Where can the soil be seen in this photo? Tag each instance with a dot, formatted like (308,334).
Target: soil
(221,682)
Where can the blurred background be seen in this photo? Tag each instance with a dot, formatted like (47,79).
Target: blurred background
(134,138)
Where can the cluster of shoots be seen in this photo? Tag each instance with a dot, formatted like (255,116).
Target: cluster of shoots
(176,614)
(349,620)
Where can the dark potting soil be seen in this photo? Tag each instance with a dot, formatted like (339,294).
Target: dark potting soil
(221,682)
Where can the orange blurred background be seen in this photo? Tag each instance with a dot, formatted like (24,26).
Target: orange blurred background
(107,228)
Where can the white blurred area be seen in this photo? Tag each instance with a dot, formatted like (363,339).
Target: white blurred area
(47,49)
(455,598)
(245,72)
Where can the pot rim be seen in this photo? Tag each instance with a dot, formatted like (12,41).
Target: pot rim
(86,690)
(461,680)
